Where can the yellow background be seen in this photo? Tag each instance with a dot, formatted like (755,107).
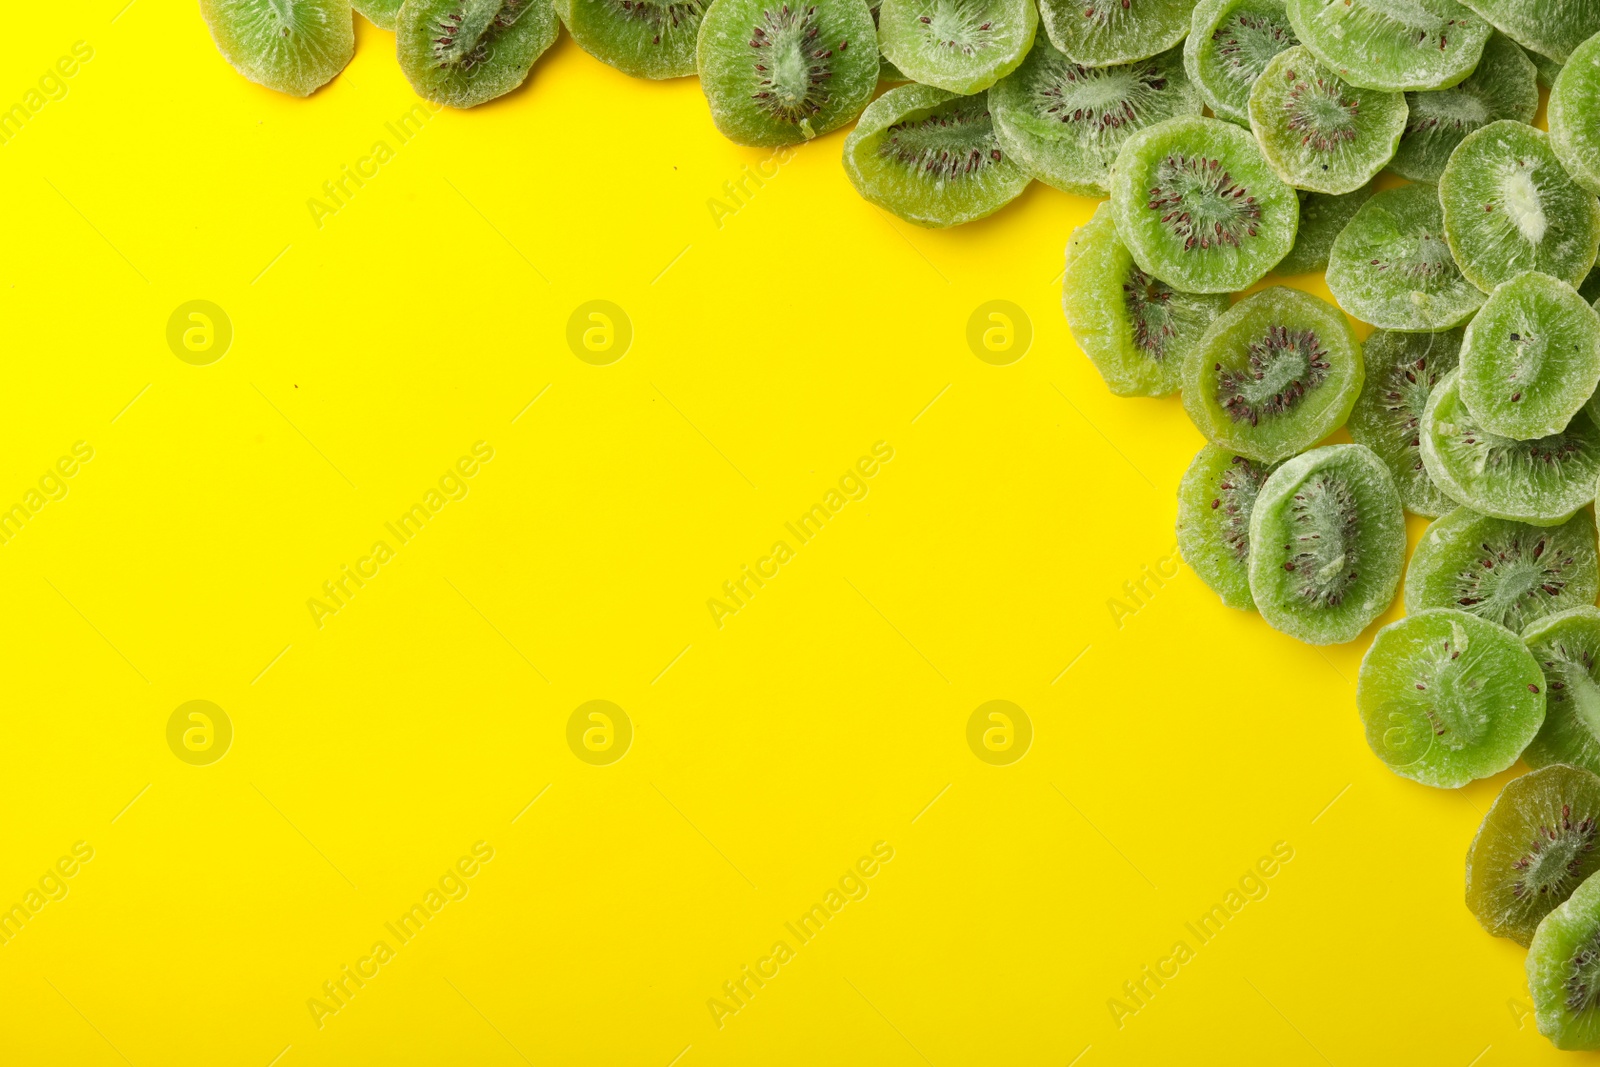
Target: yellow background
(1173,747)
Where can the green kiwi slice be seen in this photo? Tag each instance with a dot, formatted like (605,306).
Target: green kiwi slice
(776,74)
(1319,132)
(1567,646)
(1199,207)
(963,46)
(931,157)
(1531,357)
(1510,207)
(1064,122)
(1533,849)
(642,38)
(1395,45)
(1215,499)
(462,53)
(1540,482)
(1392,267)
(1551,28)
(1508,572)
(1275,374)
(1447,697)
(1230,43)
(1134,328)
(381,13)
(1574,108)
(1564,970)
(1098,33)
(1549,70)
(1402,370)
(292,46)
(1327,544)
(1503,87)
(1322,219)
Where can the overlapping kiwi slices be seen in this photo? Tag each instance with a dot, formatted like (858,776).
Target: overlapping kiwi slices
(1098,33)
(1567,646)
(1553,29)
(381,13)
(1230,43)
(1402,369)
(293,46)
(931,157)
(1447,697)
(1503,87)
(1382,44)
(461,53)
(643,38)
(963,46)
(1327,544)
(1199,207)
(1564,970)
(1574,108)
(1549,70)
(1322,219)
(1215,500)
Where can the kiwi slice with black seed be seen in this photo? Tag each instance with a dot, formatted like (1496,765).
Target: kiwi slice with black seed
(293,46)
(931,157)
(1390,45)
(1574,115)
(643,38)
(1402,370)
(381,13)
(1064,122)
(1567,646)
(1535,846)
(1215,499)
(1098,33)
(1322,219)
(1230,43)
(462,53)
(1564,970)
(1503,87)
(781,73)
(1327,544)
(963,46)
(1551,28)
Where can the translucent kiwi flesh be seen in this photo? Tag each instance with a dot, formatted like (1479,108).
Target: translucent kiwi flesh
(1402,370)
(1230,43)
(642,38)
(1504,86)
(293,46)
(1215,500)
(1567,646)
(462,53)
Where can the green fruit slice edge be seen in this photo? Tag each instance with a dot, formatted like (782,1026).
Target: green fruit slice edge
(963,46)
(291,46)
(1550,29)
(462,53)
(1230,43)
(1397,47)
(1215,501)
(1567,646)
(1504,86)
(653,39)
(1099,33)
(1573,110)
(1564,970)
(1402,370)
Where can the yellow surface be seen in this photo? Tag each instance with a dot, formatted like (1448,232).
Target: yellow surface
(773,346)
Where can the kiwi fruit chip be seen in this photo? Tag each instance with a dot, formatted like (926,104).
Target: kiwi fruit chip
(1573,113)
(643,38)
(1549,70)
(1402,370)
(1590,289)
(381,13)
(1389,45)
(1509,207)
(1531,357)
(1327,544)
(1064,122)
(1540,482)
(1508,572)
(1230,43)
(292,46)
(1447,697)
(931,157)
(462,53)
(1503,87)
(1098,33)
(963,46)
(1567,646)
(1199,207)
(1564,970)
(1536,845)
(1215,499)
(776,74)
(1391,265)
(1551,28)
(1322,219)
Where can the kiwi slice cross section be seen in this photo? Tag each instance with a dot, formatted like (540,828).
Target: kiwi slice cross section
(1567,646)
(1395,45)
(381,13)
(1230,43)
(1549,70)
(1503,87)
(1215,500)
(643,38)
(293,46)
(1564,970)
(1574,115)
(462,53)
(963,46)
(1402,370)
(1551,28)
(1098,33)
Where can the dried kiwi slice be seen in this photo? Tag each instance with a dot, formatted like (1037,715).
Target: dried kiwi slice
(1230,43)
(1447,697)
(1540,482)
(1322,219)
(1503,87)
(1567,646)
(776,74)
(1402,370)
(461,53)
(642,38)
(1215,499)
(1396,45)
(1574,109)
(1533,849)
(1064,122)
(1392,267)
(1551,28)
(1507,572)
(1098,33)
(931,157)
(1549,70)
(1531,357)
(1327,544)
(962,46)
(293,46)
(381,13)
(1564,970)
(1510,207)
(1199,207)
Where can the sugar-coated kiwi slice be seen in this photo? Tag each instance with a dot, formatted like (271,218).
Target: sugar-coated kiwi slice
(1322,219)
(642,38)
(1064,122)
(1549,70)
(1508,572)
(461,53)
(1230,43)
(1199,207)
(381,13)
(1536,845)
(293,46)
(931,157)
(1531,357)
(1215,499)
(1567,646)
(1319,132)
(1540,482)
(1447,697)
(963,46)
(1574,115)
(1402,370)
(1098,33)
(783,73)
(1552,28)
(1503,87)
(1327,544)
(1136,329)
(1392,44)
(1391,265)
(1564,970)
(1510,207)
